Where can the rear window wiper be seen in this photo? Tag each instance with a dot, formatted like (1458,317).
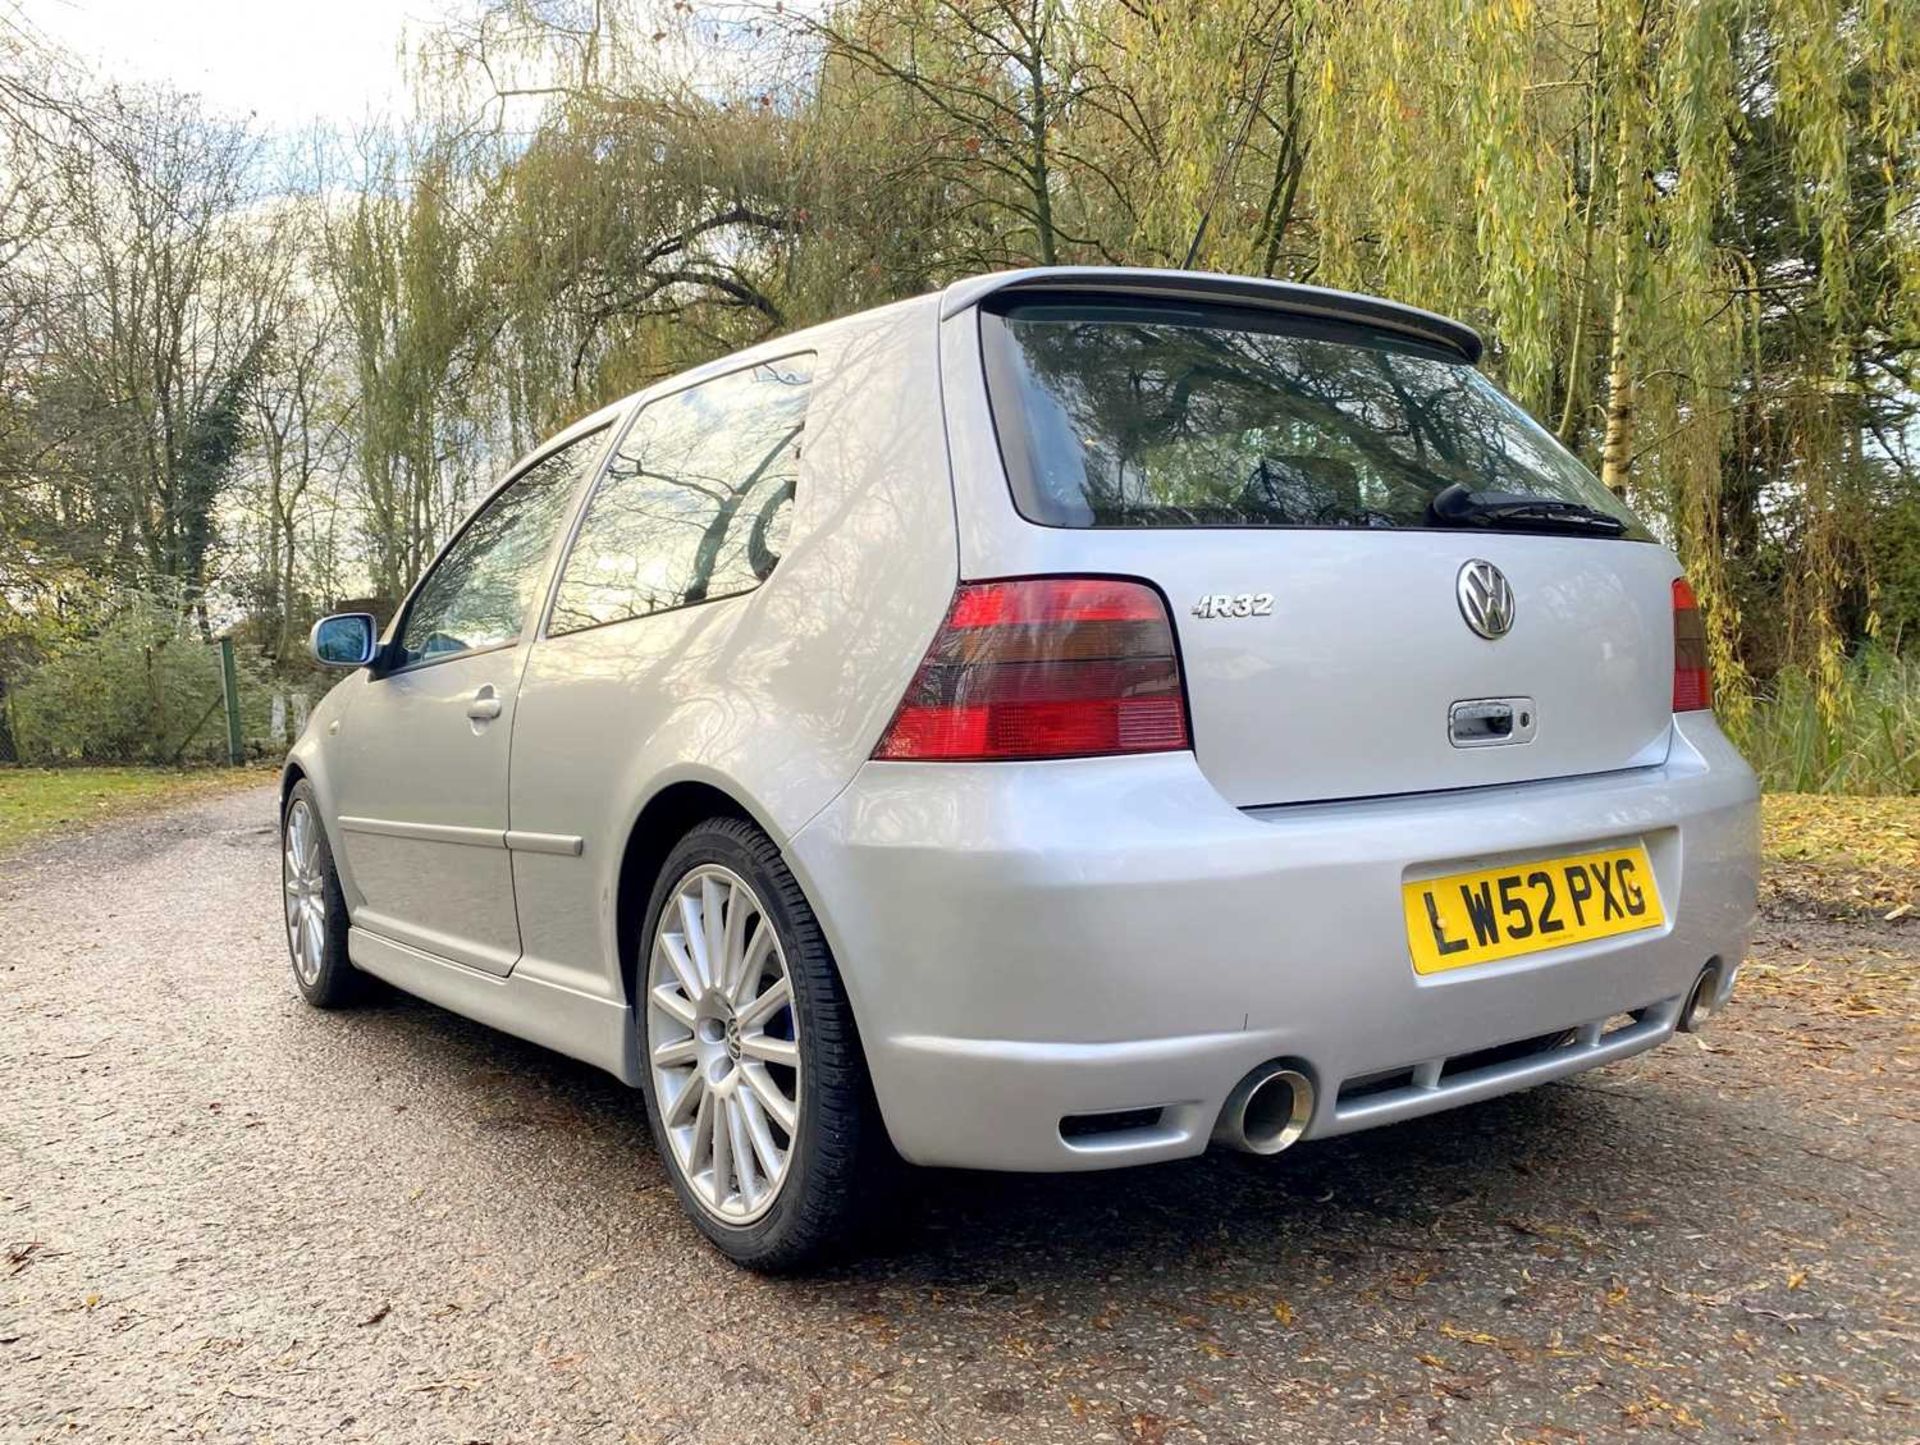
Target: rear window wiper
(1459,506)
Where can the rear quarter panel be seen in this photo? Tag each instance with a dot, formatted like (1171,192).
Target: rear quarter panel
(776,697)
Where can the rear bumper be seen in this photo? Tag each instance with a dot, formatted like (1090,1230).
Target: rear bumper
(1028,942)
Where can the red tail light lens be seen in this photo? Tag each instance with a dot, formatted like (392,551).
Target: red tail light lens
(1049,667)
(1692,678)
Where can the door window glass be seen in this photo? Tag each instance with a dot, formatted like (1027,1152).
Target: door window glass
(478,593)
(696,501)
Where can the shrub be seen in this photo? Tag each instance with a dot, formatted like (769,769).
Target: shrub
(1868,743)
(143,688)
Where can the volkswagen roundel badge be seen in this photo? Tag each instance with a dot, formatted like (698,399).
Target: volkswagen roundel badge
(1486,599)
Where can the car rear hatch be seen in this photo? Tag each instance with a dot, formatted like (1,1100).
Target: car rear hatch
(1385,578)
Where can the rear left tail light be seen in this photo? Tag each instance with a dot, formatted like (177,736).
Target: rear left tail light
(1692,678)
(1045,667)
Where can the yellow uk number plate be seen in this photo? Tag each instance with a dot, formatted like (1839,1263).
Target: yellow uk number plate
(1469,918)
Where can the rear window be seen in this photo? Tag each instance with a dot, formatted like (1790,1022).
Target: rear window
(1148,414)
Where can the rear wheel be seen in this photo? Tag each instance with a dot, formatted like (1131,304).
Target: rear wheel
(755,1083)
(315,907)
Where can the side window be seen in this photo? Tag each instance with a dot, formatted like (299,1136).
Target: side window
(479,593)
(695,503)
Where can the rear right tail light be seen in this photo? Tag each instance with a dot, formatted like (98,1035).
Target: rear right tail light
(1692,677)
(1044,667)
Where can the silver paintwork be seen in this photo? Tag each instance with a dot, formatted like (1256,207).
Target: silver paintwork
(723,1044)
(1486,599)
(1016,940)
(419,791)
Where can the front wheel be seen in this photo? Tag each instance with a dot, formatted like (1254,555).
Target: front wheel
(756,1087)
(316,908)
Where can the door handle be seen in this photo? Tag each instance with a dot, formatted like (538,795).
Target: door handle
(1489,722)
(484,706)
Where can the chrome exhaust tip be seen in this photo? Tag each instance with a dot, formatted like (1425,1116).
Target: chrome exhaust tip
(1705,1000)
(1267,1111)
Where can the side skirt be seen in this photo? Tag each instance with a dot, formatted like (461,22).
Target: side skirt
(596,1031)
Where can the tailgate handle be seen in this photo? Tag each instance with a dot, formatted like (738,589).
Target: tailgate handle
(1490,722)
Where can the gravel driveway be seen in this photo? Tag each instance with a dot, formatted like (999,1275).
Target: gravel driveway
(227,1217)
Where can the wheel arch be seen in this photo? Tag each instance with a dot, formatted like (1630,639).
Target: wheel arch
(309,765)
(665,819)
(291,774)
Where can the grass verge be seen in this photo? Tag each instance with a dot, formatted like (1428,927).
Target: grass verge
(37,802)
(1839,944)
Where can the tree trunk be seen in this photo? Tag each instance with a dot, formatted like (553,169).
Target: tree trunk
(1574,399)
(1616,451)
(1038,169)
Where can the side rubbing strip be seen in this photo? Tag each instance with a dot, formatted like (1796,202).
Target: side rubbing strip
(426,832)
(564,844)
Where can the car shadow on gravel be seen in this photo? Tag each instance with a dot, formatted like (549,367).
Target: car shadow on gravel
(1531,1164)
(1468,1181)
(495,1083)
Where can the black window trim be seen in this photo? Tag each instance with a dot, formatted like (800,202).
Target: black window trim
(552,448)
(998,387)
(546,632)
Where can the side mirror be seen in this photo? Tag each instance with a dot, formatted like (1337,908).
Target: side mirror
(345,639)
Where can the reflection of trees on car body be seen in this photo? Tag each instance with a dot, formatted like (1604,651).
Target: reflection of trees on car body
(695,501)
(1144,414)
(479,593)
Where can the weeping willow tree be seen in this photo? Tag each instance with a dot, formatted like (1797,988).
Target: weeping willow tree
(1689,228)
(404,263)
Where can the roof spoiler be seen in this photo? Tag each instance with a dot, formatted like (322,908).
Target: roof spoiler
(1348,306)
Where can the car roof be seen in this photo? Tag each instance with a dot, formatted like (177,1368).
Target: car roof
(1317,301)
(1374,312)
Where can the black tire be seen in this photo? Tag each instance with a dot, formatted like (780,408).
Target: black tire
(841,1160)
(337,983)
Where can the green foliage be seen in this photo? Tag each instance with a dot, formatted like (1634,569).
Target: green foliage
(1685,226)
(1896,566)
(142,688)
(1869,744)
(1687,229)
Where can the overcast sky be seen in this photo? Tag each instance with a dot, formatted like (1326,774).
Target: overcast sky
(286,61)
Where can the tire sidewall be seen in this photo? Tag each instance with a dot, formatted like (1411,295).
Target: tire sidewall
(337,977)
(809,969)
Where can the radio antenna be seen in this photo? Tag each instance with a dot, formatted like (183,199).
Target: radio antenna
(1232,158)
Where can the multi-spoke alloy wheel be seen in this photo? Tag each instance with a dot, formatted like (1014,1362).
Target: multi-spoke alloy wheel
(316,909)
(306,889)
(724,1044)
(755,1083)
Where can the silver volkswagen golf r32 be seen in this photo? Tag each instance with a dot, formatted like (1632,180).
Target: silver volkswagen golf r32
(1067,721)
